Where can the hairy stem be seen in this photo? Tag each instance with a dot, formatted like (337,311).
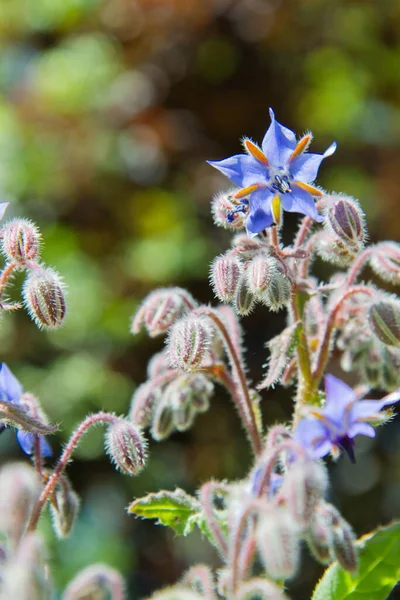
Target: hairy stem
(357,266)
(206,498)
(6,275)
(101,417)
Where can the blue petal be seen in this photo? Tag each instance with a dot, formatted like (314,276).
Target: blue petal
(278,143)
(260,216)
(300,201)
(339,398)
(361,429)
(314,437)
(25,440)
(366,409)
(305,166)
(241,169)
(10,387)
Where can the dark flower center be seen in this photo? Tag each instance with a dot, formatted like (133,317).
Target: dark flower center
(347,444)
(281,184)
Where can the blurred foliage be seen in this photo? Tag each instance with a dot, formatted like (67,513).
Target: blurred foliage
(108,110)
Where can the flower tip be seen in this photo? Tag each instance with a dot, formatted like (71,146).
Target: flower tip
(271,114)
(331,150)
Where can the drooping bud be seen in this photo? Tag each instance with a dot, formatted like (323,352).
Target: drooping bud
(163,421)
(228,212)
(20,489)
(161,309)
(260,273)
(64,507)
(145,397)
(200,579)
(25,576)
(343,544)
(319,538)
(305,484)
(126,446)
(44,297)
(278,543)
(20,240)
(384,320)
(346,219)
(96,581)
(225,274)
(333,250)
(188,342)
(244,300)
(278,293)
(385,261)
(262,589)
(158,364)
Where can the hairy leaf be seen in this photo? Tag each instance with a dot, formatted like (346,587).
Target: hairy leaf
(281,348)
(378,571)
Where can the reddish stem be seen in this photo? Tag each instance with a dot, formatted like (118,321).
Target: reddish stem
(357,266)
(206,495)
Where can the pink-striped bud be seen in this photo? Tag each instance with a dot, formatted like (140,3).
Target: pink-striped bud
(126,446)
(20,240)
(278,543)
(385,261)
(384,320)
(161,309)
(64,507)
(225,274)
(188,343)
(260,588)
(44,297)
(163,421)
(96,581)
(346,219)
(260,273)
(145,397)
(278,294)
(244,300)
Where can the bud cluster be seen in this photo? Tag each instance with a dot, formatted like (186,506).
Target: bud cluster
(249,273)
(161,309)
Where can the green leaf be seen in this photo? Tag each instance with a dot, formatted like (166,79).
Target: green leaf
(378,571)
(173,509)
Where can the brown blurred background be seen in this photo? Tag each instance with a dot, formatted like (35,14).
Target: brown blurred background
(108,111)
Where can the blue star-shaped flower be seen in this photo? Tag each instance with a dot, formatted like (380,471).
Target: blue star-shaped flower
(276,175)
(11,391)
(335,426)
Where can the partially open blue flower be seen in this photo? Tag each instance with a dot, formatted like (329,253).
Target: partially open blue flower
(335,426)
(277,175)
(11,391)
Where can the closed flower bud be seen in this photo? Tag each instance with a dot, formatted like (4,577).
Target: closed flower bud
(384,320)
(158,364)
(163,421)
(43,294)
(244,300)
(343,545)
(25,576)
(188,343)
(227,212)
(260,273)
(161,309)
(96,581)
(20,240)
(305,484)
(385,261)
(126,446)
(145,397)
(260,589)
(319,538)
(277,295)
(225,274)
(64,507)
(345,218)
(20,489)
(278,543)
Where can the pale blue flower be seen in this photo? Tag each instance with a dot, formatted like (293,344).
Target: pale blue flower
(343,417)
(277,175)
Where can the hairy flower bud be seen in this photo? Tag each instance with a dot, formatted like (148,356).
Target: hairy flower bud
(228,212)
(187,395)
(260,588)
(44,298)
(161,309)
(345,218)
(278,293)
(158,364)
(384,320)
(225,274)
(20,240)
(145,397)
(278,543)
(319,538)
(25,576)
(305,484)
(260,273)
(96,581)
(244,300)
(385,261)
(20,489)
(344,547)
(64,507)
(163,421)
(188,342)
(126,446)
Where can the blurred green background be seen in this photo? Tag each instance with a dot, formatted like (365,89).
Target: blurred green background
(108,111)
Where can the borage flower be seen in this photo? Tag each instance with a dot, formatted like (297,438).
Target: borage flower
(11,391)
(277,175)
(334,427)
